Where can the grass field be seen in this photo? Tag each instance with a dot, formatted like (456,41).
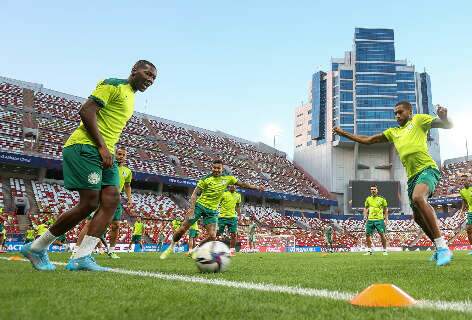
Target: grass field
(28,294)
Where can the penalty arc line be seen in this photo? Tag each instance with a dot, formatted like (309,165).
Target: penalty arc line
(458,306)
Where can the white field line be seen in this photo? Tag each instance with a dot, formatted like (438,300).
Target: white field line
(458,306)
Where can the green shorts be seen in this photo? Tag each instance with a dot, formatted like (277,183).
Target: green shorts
(209,216)
(192,233)
(232,224)
(373,225)
(1,227)
(251,238)
(329,240)
(469,218)
(429,176)
(82,168)
(136,238)
(116,215)
(29,240)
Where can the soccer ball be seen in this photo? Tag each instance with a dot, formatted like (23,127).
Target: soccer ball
(212,256)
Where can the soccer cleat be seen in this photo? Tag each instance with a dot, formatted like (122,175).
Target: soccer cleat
(113,255)
(434,257)
(470,253)
(86,263)
(443,257)
(166,253)
(368,253)
(39,260)
(385,253)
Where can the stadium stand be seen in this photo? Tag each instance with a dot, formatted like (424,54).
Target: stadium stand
(450,183)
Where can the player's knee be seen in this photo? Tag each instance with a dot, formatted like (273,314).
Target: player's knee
(110,197)
(418,199)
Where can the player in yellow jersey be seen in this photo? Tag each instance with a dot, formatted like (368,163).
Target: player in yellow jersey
(409,139)
(193,234)
(466,194)
(90,168)
(229,212)
(125,184)
(204,203)
(376,214)
(138,232)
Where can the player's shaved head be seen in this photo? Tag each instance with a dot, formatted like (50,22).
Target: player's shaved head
(143,63)
(403,111)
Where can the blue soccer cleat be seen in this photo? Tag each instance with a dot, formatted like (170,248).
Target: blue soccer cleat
(86,263)
(443,256)
(39,260)
(470,252)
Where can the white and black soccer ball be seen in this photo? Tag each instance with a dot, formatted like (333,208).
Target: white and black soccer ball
(213,256)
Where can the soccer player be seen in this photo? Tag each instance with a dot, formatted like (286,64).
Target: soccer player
(229,213)
(29,234)
(466,194)
(3,236)
(193,233)
(160,241)
(138,230)
(209,191)
(376,214)
(89,166)
(125,183)
(409,139)
(252,236)
(329,238)
(41,229)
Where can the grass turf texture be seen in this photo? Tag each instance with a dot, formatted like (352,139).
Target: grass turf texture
(28,294)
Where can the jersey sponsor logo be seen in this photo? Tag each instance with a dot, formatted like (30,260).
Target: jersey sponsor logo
(94,178)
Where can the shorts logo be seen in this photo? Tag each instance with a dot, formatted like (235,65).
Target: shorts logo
(94,178)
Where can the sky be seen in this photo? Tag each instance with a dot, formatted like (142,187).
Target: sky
(240,67)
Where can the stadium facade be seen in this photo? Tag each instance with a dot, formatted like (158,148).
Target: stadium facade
(358,94)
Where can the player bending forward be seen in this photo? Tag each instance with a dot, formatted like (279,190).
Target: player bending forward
(466,194)
(209,191)
(409,139)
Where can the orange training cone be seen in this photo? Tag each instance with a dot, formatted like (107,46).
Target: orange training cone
(15,258)
(383,295)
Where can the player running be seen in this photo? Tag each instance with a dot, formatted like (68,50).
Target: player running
(137,237)
(160,241)
(90,168)
(251,238)
(209,191)
(125,183)
(466,194)
(230,210)
(376,215)
(423,175)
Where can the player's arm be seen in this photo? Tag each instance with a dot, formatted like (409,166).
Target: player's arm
(88,115)
(464,206)
(378,138)
(193,199)
(238,209)
(249,186)
(366,213)
(385,214)
(442,121)
(127,188)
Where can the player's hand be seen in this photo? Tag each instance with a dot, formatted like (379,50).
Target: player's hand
(107,158)
(441,112)
(338,131)
(261,188)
